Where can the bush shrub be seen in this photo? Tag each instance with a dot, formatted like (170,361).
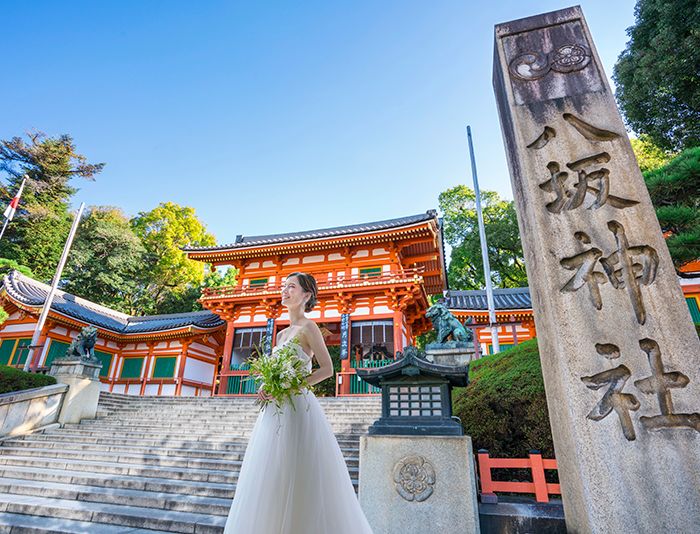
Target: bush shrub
(12,379)
(504,408)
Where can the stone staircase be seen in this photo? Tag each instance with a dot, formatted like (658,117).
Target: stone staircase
(146,464)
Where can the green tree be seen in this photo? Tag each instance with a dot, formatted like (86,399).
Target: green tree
(105,260)
(170,281)
(221,278)
(504,407)
(36,236)
(675,193)
(461,231)
(11,265)
(649,156)
(658,73)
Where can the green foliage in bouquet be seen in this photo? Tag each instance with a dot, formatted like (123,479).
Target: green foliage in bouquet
(281,374)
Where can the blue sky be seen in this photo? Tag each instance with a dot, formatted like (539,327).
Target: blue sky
(271,117)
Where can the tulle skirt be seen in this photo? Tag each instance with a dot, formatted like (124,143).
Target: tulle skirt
(294,479)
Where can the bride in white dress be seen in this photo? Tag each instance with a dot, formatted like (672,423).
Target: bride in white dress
(294,479)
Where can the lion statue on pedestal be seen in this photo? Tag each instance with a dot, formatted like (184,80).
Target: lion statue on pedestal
(83,346)
(447,326)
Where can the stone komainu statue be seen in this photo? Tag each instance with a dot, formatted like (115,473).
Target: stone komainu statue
(446,325)
(83,346)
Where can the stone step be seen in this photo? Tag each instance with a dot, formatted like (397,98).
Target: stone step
(130,497)
(231,453)
(165,420)
(136,458)
(213,435)
(29,524)
(59,437)
(112,514)
(108,480)
(121,468)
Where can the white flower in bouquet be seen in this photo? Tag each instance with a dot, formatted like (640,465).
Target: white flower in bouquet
(281,374)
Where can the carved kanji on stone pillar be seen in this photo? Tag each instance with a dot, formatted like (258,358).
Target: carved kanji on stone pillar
(626,432)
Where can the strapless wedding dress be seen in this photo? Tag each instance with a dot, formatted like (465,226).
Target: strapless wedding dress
(294,479)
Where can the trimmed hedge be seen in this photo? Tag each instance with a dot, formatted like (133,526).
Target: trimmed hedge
(12,379)
(504,408)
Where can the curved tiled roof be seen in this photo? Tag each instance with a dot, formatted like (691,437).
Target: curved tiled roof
(517,298)
(250,241)
(30,292)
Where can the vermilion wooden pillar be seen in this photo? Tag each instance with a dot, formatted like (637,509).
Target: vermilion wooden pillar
(226,357)
(181,368)
(398,328)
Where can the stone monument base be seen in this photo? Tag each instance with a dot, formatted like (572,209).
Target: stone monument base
(450,356)
(418,484)
(82,378)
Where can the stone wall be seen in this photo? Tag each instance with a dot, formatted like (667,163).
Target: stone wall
(22,412)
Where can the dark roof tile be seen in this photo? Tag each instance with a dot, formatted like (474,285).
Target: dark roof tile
(249,241)
(33,293)
(517,298)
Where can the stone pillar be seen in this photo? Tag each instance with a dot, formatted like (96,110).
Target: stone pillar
(620,356)
(83,380)
(418,484)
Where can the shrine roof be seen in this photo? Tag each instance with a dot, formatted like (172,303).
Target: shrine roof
(33,293)
(271,239)
(516,298)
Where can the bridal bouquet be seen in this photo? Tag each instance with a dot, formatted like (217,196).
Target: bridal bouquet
(282,374)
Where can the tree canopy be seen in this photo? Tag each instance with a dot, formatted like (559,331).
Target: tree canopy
(105,260)
(649,156)
(675,192)
(461,231)
(36,235)
(658,73)
(169,278)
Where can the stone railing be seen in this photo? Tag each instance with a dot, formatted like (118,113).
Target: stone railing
(22,412)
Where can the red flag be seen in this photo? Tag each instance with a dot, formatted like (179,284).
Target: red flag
(10,210)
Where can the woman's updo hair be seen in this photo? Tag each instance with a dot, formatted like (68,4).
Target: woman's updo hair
(307,283)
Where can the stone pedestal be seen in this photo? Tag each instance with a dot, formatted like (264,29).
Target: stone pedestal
(418,484)
(450,356)
(620,356)
(82,378)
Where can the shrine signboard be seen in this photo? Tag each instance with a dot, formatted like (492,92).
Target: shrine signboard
(620,355)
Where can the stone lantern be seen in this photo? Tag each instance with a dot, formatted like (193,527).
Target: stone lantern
(416,395)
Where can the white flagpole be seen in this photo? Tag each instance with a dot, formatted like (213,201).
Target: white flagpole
(52,291)
(8,219)
(484,252)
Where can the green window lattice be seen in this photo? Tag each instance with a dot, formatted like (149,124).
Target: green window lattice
(57,349)
(7,347)
(165,367)
(132,368)
(106,359)
(21,351)
(370,271)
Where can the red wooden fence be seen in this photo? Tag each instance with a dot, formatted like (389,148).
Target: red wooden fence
(539,486)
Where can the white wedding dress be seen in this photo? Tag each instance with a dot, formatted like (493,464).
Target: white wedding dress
(294,479)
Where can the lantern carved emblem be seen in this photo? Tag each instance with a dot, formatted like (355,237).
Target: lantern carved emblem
(414,477)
